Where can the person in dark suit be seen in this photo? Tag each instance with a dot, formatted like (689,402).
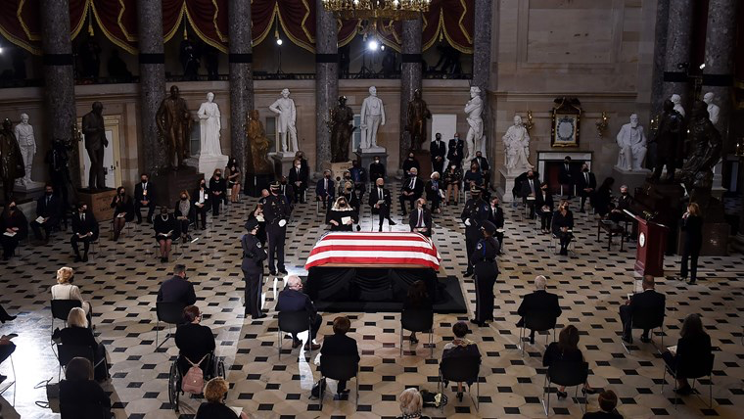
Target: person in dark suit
(693,347)
(359,178)
(438,152)
(339,344)
(607,401)
(14,228)
(473,216)
(201,204)
(528,189)
(276,212)
(483,261)
(566,350)
(298,177)
(218,191)
(380,200)
(325,190)
(84,229)
(252,266)
(566,177)
(123,211)
(496,216)
(287,190)
(258,216)
(78,333)
(80,397)
(649,300)
(603,197)
(292,299)
(473,177)
(143,197)
(617,213)
(692,226)
(417,299)
(376,170)
(483,166)
(538,301)
(49,208)
(185,213)
(544,207)
(412,189)
(456,150)
(195,342)
(215,392)
(586,184)
(166,230)
(177,288)
(410,163)
(563,223)
(420,218)
(434,192)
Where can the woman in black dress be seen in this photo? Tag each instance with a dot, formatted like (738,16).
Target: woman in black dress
(201,204)
(563,223)
(123,211)
(692,226)
(566,350)
(452,179)
(78,333)
(544,207)
(342,216)
(166,229)
(232,174)
(218,191)
(693,347)
(14,223)
(417,300)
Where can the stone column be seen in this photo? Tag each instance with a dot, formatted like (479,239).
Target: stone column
(482,46)
(241,82)
(326,80)
(59,80)
(660,36)
(410,77)
(152,81)
(677,51)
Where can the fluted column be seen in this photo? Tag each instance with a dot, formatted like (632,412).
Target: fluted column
(660,36)
(410,77)
(482,45)
(679,36)
(241,82)
(326,80)
(152,81)
(59,78)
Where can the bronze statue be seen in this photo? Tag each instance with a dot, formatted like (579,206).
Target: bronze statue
(418,112)
(341,131)
(95,143)
(259,145)
(174,123)
(11,160)
(704,151)
(668,138)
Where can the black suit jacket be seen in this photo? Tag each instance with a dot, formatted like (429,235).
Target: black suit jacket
(338,345)
(524,186)
(565,176)
(581,184)
(540,301)
(455,151)
(408,164)
(302,176)
(139,192)
(560,221)
(177,289)
(693,229)
(540,201)
(191,215)
(413,221)
(374,197)
(52,210)
(83,400)
(376,170)
(482,164)
(294,300)
(498,218)
(90,224)
(438,149)
(649,299)
(418,188)
(76,336)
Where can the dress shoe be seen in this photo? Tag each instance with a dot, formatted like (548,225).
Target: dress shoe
(283,272)
(628,339)
(691,282)
(77,258)
(561,395)
(467,273)
(391,222)
(310,346)
(459,396)
(589,391)
(296,343)
(380,229)
(85,258)
(260,316)
(645,339)
(8,318)
(685,390)
(272,273)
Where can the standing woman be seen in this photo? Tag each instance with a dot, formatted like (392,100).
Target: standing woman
(692,226)
(486,270)
(123,211)
(201,204)
(232,173)
(253,267)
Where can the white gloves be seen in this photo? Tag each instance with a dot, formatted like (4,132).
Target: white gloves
(467,222)
(282,223)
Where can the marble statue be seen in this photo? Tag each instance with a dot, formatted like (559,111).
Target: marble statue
(95,144)
(677,101)
(174,123)
(704,143)
(284,107)
(209,114)
(24,133)
(416,118)
(11,160)
(668,139)
(474,108)
(258,145)
(372,117)
(341,128)
(517,148)
(632,143)
(713,110)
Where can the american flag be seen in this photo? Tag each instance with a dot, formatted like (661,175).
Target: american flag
(378,250)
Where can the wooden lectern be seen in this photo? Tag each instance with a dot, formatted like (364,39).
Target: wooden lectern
(652,243)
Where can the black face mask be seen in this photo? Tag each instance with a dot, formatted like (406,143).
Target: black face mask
(586,169)
(217,175)
(183,197)
(12,208)
(48,194)
(530,176)
(144,181)
(328,177)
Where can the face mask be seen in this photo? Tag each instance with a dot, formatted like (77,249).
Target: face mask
(530,176)
(298,166)
(328,177)
(144,180)
(48,194)
(377,161)
(586,169)
(183,197)
(12,208)
(218,175)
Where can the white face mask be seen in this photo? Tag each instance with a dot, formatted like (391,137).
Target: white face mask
(298,166)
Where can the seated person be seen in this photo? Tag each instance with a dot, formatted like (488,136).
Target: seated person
(185,214)
(342,216)
(693,347)
(143,193)
(618,215)
(49,208)
(292,299)
(603,198)
(538,301)
(177,288)
(411,191)
(649,300)
(346,189)
(195,342)
(84,229)
(460,347)
(339,344)
(65,290)
(325,189)
(563,226)
(80,397)
(417,299)
(411,404)
(544,207)
(359,178)
(78,333)
(420,219)
(215,392)
(201,205)
(376,170)
(410,163)
(434,192)
(123,211)
(14,228)
(529,184)
(6,349)
(607,401)
(166,229)
(566,350)
(298,177)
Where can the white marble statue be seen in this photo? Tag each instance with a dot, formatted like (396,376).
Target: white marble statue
(474,108)
(677,101)
(713,110)
(24,133)
(284,107)
(372,117)
(209,115)
(517,148)
(632,143)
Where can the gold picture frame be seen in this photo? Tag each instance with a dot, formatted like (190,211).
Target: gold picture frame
(566,123)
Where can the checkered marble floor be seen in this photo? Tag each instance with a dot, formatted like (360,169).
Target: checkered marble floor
(122,280)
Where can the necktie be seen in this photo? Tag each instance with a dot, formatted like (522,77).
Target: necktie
(413,183)
(380,195)
(532,186)
(47,201)
(586,177)
(82,217)
(325,185)
(494,212)
(421,218)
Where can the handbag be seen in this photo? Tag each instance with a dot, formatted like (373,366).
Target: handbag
(318,389)
(193,381)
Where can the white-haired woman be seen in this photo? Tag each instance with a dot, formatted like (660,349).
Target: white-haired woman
(77,333)
(411,404)
(434,192)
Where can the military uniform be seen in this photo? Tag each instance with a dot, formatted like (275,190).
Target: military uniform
(252,266)
(477,211)
(276,210)
(486,271)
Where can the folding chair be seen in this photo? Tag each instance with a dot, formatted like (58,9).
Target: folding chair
(417,321)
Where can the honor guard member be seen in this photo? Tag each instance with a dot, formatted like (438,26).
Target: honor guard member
(252,266)
(486,270)
(276,213)
(473,215)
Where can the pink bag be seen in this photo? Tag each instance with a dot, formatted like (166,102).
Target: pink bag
(193,381)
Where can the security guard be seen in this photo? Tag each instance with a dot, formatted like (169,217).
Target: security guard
(486,271)
(252,266)
(473,215)
(276,213)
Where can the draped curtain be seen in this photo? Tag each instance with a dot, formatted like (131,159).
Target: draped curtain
(117,19)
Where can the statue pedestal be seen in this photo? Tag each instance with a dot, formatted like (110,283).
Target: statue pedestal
(168,185)
(254,183)
(338,168)
(367,156)
(99,202)
(632,179)
(28,186)
(424,159)
(282,162)
(506,185)
(206,164)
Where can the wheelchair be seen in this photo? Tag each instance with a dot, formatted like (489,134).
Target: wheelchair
(216,369)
